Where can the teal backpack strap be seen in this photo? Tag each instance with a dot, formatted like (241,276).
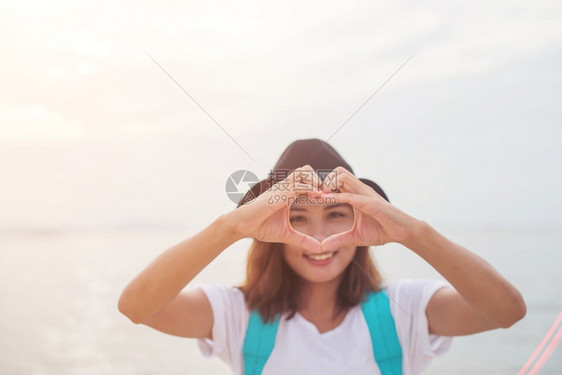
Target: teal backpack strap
(258,344)
(384,338)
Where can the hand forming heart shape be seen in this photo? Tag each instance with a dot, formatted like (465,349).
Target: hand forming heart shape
(375,221)
(266,218)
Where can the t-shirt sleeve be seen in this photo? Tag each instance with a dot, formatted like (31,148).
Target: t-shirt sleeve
(409,299)
(229,324)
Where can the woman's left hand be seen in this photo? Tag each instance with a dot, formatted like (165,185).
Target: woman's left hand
(377,222)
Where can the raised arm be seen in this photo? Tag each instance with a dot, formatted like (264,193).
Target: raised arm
(164,278)
(481,299)
(154,296)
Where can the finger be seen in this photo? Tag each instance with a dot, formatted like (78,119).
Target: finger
(301,176)
(356,200)
(304,188)
(330,182)
(337,241)
(316,181)
(288,187)
(280,196)
(342,180)
(347,183)
(308,175)
(304,241)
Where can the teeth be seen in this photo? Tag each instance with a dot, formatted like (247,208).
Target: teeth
(321,257)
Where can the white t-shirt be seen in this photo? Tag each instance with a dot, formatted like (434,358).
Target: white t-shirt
(347,349)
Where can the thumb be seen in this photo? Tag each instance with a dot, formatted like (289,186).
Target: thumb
(304,241)
(336,241)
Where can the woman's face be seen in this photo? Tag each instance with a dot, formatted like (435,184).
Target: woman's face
(319,221)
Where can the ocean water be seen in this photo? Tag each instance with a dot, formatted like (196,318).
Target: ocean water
(60,290)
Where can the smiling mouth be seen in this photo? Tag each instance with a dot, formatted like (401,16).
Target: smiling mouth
(321,256)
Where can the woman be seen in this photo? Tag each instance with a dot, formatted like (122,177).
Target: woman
(313,301)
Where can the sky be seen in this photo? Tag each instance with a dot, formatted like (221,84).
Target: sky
(133,115)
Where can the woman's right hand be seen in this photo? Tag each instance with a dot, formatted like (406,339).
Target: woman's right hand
(266,218)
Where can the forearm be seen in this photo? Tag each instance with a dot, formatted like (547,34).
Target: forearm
(165,277)
(480,284)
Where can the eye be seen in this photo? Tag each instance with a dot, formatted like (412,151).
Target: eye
(296,219)
(337,214)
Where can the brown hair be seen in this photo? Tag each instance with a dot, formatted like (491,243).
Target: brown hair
(272,287)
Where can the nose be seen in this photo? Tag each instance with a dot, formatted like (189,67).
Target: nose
(319,231)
